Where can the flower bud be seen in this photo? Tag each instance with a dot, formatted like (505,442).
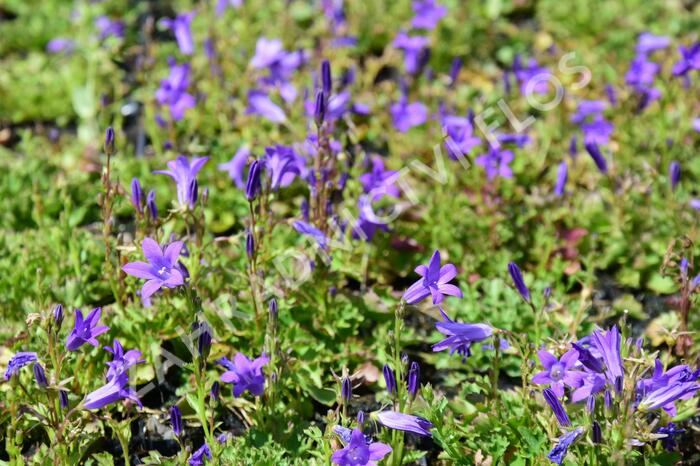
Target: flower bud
(253,186)
(40,375)
(518,281)
(176,420)
(136,195)
(249,245)
(596,433)
(346,390)
(326,79)
(389,379)
(63,399)
(109,141)
(151,204)
(58,316)
(215,391)
(413,379)
(320,108)
(192,193)
(272,306)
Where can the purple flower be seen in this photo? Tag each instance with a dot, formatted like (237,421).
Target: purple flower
(597,156)
(200,456)
(461,336)
(122,361)
(460,136)
(608,345)
(597,131)
(221,5)
(562,177)
(662,389)
(108,27)
(670,431)
(310,230)
(358,452)
(557,408)
(435,282)
(648,42)
(428,14)
(85,330)
(562,447)
(404,422)
(267,52)
(184,172)
(696,124)
(176,420)
(236,166)
(60,45)
(586,357)
(173,90)
(557,372)
(18,361)
(532,78)
(114,390)
(407,115)
(674,174)
(587,108)
(259,103)
(589,384)
(413,50)
(181,27)
(496,162)
(690,60)
(281,165)
(379,182)
(58,316)
(162,269)
(245,374)
(367,223)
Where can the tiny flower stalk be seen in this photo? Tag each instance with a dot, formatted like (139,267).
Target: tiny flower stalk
(106,201)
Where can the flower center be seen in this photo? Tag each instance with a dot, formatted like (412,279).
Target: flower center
(557,372)
(161,271)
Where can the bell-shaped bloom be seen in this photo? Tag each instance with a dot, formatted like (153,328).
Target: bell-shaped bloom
(460,337)
(531,77)
(245,374)
(588,108)
(200,456)
(183,34)
(496,162)
(404,422)
(562,447)
(358,452)
(648,42)
(608,346)
(460,136)
(413,48)
(389,379)
(407,115)
(259,103)
(379,182)
(663,389)
(236,166)
(173,90)
(184,172)
(122,360)
(690,60)
(597,131)
(85,330)
(281,166)
(109,28)
(114,390)
(307,229)
(428,14)
(434,282)
(162,269)
(558,372)
(18,361)
(588,384)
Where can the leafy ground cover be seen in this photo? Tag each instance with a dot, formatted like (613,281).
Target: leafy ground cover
(347,232)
